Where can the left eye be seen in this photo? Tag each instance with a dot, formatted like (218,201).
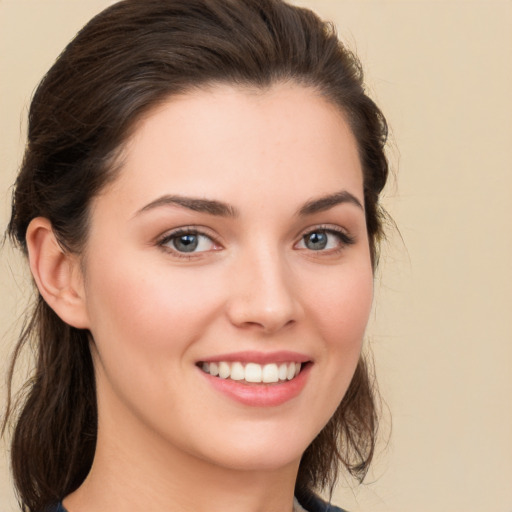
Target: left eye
(321,240)
(189,242)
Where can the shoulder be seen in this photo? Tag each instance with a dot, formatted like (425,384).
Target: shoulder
(313,503)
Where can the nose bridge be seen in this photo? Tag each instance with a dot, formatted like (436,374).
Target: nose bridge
(263,292)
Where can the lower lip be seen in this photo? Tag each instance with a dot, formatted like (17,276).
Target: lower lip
(260,395)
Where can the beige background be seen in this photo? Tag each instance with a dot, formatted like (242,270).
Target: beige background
(442,329)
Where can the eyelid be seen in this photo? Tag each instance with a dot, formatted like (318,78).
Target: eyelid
(346,237)
(164,239)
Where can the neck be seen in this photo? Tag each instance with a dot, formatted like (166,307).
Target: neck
(151,475)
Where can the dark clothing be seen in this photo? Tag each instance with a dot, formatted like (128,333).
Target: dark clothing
(313,503)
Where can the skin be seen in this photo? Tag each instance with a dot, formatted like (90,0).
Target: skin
(167,439)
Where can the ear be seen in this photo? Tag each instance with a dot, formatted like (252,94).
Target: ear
(57,274)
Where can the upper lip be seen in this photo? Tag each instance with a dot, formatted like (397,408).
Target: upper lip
(249,356)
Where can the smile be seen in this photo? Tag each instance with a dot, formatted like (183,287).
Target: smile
(252,372)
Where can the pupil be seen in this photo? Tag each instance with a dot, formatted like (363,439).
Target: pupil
(316,241)
(186,243)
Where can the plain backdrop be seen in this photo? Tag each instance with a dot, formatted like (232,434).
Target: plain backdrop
(441,331)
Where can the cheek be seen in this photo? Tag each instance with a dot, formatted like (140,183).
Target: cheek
(341,315)
(141,310)
(338,313)
(144,322)
(342,308)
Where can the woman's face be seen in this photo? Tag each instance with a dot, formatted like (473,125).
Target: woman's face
(233,241)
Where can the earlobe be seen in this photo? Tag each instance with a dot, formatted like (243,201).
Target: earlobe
(57,274)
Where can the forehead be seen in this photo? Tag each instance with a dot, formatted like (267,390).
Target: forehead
(283,140)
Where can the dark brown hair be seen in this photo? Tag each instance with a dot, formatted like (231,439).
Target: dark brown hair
(124,62)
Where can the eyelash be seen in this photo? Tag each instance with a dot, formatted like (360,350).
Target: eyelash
(344,237)
(345,240)
(169,237)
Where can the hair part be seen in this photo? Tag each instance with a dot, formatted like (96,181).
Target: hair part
(126,61)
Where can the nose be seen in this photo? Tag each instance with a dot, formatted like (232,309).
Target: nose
(263,294)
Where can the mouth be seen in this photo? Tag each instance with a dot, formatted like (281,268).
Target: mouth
(257,379)
(253,373)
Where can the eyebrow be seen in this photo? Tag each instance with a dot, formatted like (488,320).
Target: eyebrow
(209,206)
(218,208)
(324,203)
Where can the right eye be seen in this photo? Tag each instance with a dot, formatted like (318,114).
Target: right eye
(188,242)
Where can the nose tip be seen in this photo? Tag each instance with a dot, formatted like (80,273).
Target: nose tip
(264,298)
(267,320)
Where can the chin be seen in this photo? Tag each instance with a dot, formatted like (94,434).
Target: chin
(261,451)
(252,461)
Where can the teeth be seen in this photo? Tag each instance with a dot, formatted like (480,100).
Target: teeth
(253,372)
(270,373)
(237,371)
(224,370)
(214,369)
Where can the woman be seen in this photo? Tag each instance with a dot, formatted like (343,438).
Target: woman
(199,206)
